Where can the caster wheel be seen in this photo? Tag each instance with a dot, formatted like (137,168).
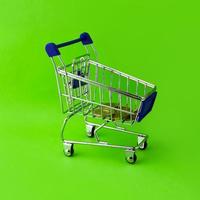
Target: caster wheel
(69,150)
(90,130)
(144,146)
(131,158)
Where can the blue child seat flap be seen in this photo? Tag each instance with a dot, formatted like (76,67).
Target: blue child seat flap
(146,106)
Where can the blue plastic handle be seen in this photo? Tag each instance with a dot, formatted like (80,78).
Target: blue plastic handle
(53,50)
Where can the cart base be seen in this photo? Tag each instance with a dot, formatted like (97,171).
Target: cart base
(130,151)
(93,128)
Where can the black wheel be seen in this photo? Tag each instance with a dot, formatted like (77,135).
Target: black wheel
(131,159)
(144,146)
(91,133)
(69,151)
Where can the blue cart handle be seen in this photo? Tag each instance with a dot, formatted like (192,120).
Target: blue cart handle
(52,48)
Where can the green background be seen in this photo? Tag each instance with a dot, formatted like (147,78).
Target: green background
(157,41)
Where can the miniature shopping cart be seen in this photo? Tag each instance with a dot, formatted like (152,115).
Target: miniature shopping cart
(106,97)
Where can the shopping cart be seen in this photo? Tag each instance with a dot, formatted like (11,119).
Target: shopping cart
(106,97)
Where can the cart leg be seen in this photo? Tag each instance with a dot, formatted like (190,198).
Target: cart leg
(64,124)
(97,129)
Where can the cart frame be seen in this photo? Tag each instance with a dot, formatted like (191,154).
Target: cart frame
(78,86)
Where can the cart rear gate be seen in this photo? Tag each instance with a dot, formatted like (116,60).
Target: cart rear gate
(106,97)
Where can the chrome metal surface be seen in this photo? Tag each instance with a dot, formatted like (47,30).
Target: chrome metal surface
(102,144)
(106,97)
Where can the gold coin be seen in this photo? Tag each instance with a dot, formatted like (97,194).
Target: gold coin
(105,112)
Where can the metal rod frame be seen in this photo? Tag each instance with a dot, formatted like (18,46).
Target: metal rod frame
(68,78)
